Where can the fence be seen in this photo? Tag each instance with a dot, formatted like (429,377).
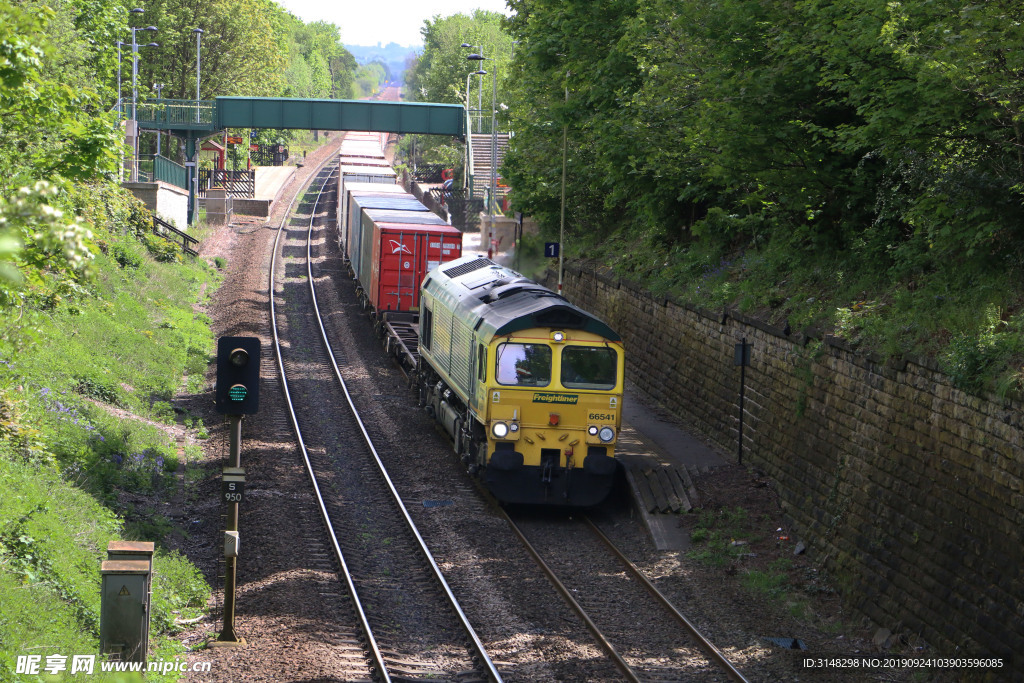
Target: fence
(186,113)
(429,173)
(241,184)
(464,211)
(479,121)
(268,155)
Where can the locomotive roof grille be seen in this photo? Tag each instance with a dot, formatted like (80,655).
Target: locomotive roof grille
(467,267)
(495,301)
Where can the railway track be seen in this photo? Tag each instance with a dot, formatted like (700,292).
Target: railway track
(411,624)
(649,641)
(406,614)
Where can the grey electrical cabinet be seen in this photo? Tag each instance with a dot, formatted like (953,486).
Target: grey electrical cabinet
(124,609)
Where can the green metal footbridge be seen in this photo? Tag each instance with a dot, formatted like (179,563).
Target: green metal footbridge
(193,120)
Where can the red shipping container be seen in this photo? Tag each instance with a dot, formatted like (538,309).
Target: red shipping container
(403,254)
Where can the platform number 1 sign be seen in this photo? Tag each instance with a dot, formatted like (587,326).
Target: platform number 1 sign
(551,249)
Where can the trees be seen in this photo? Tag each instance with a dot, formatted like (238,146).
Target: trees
(241,51)
(51,132)
(864,125)
(439,74)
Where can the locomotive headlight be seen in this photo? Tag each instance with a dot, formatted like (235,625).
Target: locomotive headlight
(558,337)
(514,427)
(592,430)
(499,430)
(606,434)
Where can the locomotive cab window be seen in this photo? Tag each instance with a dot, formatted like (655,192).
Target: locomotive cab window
(526,365)
(589,367)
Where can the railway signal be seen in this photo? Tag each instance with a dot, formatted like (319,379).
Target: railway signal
(238,375)
(237,395)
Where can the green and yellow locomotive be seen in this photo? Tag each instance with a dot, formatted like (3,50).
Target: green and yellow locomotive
(528,386)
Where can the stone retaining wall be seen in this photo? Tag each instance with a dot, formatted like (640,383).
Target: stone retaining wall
(909,490)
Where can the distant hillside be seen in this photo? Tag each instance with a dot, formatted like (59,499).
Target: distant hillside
(393,55)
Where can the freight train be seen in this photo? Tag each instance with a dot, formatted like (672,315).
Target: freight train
(528,386)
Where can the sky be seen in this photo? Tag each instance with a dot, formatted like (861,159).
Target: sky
(368,22)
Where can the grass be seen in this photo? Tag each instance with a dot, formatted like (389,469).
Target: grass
(86,451)
(720,537)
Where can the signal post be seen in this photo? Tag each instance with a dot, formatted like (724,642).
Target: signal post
(237,395)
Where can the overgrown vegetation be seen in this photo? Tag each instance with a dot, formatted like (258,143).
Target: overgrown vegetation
(97,331)
(853,168)
(85,381)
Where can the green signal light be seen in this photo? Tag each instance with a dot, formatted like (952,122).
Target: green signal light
(238,392)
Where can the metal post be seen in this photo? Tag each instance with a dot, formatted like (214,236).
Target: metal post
(120,108)
(227,633)
(741,357)
(743,385)
(135,96)
(159,88)
(469,120)
(480,96)
(120,111)
(494,148)
(199,36)
(193,175)
(561,230)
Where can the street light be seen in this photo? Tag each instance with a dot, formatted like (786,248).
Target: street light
(478,72)
(158,87)
(199,36)
(135,94)
(191,153)
(561,228)
(494,147)
(476,57)
(120,109)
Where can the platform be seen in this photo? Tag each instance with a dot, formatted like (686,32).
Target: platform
(270,182)
(661,460)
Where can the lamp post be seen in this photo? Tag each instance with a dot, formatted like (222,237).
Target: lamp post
(135,95)
(561,228)
(120,109)
(494,146)
(478,72)
(159,88)
(476,57)
(191,153)
(199,37)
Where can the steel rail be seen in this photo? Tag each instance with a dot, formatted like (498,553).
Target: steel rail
(713,652)
(375,652)
(478,645)
(605,644)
